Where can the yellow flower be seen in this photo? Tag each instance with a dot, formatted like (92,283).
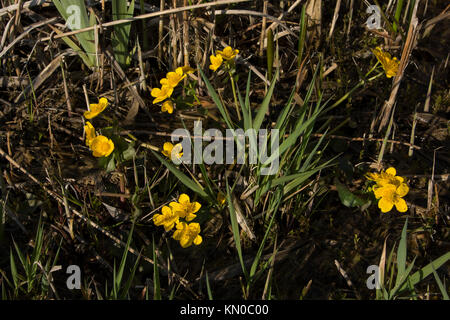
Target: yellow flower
(188,234)
(184,208)
(161,94)
(96,108)
(228,53)
(102,146)
(389,196)
(167,106)
(387,177)
(170,150)
(390,189)
(216,62)
(173,78)
(390,65)
(187,69)
(90,133)
(166,219)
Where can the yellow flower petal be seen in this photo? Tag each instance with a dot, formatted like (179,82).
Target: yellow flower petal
(184,199)
(184,208)
(176,151)
(167,149)
(389,64)
(185,242)
(181,226)
(187,69)
(90,133)
(190,217)
(385,205)
(194,227)
(198,240)
(188,234)
(195,207)
(386,191)
(400,179)
(172,151)
(103,103)
(102,146)
(96,108)
(402,190)
(372,176)
(167,219)
(400,205)
(167,106)
(161,94)
(158,219)
(173,78)
(178,209)
(216,62)
(228,53)
(391,171)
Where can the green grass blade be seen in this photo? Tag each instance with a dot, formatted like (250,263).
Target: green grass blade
(183,178)
(398,12)
(22,258)
(156,283)
(208,288)
(247,102)
(308,160)
(127,286)
(266,234)
(14,273)
(302,36)
(118,279)
(300,126)
(245,112)
(403,283)
(427,270)
(440,284)
(401,254)
(303,176)
(281,121)
(121,34)
(265,104)
(235,230)
(213,94)
(270,51)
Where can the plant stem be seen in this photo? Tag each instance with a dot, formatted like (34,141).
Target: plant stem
(233,86)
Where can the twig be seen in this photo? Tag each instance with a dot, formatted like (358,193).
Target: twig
(335,17)
(66,91)
(347,278)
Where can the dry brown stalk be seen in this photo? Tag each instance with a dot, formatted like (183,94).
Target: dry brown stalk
(407,49)
(263,29)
